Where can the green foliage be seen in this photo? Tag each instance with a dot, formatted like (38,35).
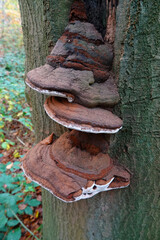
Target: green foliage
(15,198)
(13,105)
(10,25)
(14,234)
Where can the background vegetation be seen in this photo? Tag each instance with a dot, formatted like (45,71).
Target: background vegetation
(20,199)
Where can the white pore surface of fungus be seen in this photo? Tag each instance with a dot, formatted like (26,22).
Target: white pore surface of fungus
(82,127)
(51,93)
(93,190)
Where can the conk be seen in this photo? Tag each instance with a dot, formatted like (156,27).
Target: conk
(78,78)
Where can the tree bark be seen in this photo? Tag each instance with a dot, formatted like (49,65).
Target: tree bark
(130,213)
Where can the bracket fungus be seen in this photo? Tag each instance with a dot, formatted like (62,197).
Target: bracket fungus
(75,166)
(79,66)
(76,116)
(81,86)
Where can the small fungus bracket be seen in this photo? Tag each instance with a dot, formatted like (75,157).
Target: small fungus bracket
(79,81)
(76,116)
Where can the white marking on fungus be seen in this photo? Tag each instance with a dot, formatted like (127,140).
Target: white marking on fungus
(51,93)
(93,190)
(86,192)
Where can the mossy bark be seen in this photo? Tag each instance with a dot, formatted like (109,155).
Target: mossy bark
(131,213)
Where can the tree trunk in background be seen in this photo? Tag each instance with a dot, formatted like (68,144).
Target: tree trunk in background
(131,213)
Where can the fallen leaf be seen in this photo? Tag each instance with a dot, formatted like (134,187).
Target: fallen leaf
(39,198)
(36,214)
(16,154)
(9,166)
(6,154)
(22,206)
(28,180)
(15,133)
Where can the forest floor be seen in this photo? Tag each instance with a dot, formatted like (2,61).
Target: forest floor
(20,199)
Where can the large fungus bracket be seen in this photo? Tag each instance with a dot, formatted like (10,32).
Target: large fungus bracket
(81,86)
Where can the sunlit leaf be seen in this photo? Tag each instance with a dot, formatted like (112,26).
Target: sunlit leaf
(37,214)
(10,142)
(1,124)
(9,118)
(5,145)
(6,97)
(9,166)
(16,154)
(19,114)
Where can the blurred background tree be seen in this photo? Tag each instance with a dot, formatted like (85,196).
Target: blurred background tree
(10,25)
(16,134)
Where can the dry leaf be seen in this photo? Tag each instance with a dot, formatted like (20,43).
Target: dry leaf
(28,180)
(36,215)
(39,198)
(9,166)
(22,206)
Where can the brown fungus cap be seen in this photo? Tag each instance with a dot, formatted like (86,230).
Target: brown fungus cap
(80,84)
(72,169)
(79,65)
(68,96)
(76,116)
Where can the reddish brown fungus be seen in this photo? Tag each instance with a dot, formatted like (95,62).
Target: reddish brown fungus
(76,116)
(77,165)
(79,65)
(77,170)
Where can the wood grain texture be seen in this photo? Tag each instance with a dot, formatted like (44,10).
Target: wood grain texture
(138,144)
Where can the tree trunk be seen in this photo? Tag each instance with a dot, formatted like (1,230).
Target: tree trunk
(130,213)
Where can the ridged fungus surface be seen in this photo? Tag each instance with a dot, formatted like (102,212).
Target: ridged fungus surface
(75,166)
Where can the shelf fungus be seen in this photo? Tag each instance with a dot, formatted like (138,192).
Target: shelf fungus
(81,86)
(76,116)
(75,166)
(79,67)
